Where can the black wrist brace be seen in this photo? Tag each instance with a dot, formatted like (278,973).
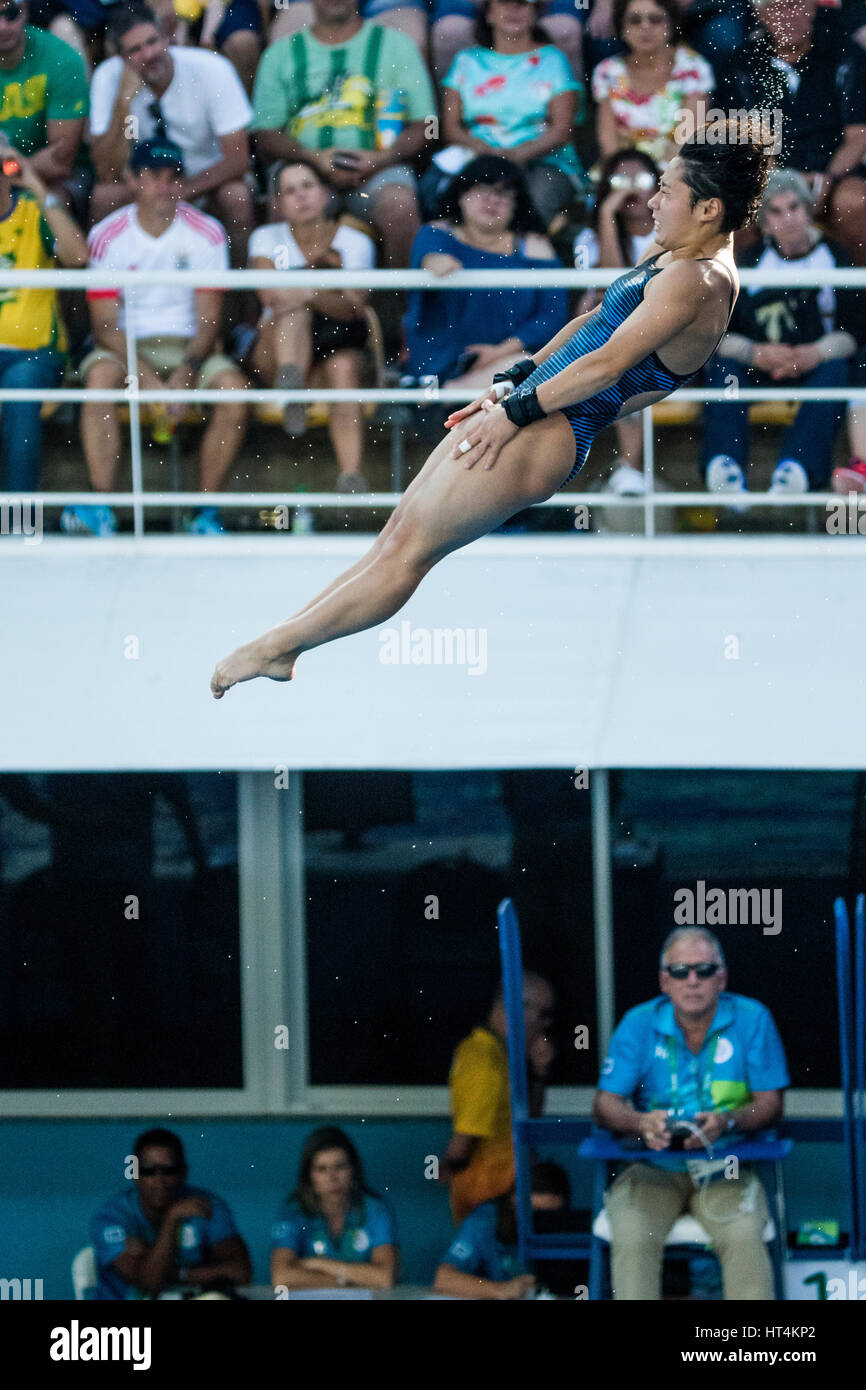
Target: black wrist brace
(522,406)
(519,372)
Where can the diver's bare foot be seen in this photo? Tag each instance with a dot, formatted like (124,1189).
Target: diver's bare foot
(259,658)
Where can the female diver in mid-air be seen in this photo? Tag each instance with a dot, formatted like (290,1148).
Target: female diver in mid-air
(655,328)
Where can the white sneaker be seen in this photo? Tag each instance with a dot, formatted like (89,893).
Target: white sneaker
(724,474)
(626,482)
(789,476)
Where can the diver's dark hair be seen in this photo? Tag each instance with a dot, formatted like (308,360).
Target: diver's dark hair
(734,169)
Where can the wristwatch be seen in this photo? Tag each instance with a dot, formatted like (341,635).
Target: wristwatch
(51,200)
(732,1124)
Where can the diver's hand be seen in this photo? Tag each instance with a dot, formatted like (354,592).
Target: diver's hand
(486,437)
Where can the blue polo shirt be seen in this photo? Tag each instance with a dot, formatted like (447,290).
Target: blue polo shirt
(476,1250)
(123,1217)
(364,1229)
(649,1063)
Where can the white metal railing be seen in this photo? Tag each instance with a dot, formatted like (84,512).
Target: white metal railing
(134,397)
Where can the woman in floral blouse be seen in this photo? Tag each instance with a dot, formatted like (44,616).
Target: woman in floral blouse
(643,93)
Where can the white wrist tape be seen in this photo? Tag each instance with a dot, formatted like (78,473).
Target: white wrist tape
(502,388)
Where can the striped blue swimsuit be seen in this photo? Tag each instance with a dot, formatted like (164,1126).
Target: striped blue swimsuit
(588,418)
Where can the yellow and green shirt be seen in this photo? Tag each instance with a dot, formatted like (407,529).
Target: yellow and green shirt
(29,318)
(49,84)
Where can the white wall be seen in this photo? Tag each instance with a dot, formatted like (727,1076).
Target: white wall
(599,652)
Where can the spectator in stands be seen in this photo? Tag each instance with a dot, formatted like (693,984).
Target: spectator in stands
(333,1230)
(699,1054)
(852,476)
(175,327)
(35,234)
(43,89)
(802,65)
(233,29)
(486,225)
(716,29)
(781,335)
(643,95)
(620,236)
(314,337)
(161,1231)
(408,16)
(478,1164)
(356,98)
(455,27)
(483,1260)
(191,98)
(514,95)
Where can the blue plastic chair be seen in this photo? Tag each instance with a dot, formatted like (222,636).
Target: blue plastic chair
(527,1132)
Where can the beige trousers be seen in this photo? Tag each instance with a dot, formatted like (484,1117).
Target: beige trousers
(642,1205)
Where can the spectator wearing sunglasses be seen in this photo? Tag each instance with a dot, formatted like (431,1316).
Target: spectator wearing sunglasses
(701,1055)
(153,90)
(645,94)
(43,96)
(160,1231)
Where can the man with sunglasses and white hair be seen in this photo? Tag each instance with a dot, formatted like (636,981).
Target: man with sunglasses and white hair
(700,1055)
(160,1231)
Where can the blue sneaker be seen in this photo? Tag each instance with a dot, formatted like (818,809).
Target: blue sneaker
(88,521)
(206,522)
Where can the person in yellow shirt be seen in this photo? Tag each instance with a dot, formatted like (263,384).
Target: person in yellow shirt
(36,233)
(478,1163)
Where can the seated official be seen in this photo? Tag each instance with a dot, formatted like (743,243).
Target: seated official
(161,1231)
(333,1230)
(784,335)
(483,1260)
(698,1054)
(478,1163)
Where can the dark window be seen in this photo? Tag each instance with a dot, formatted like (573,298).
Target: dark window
(404,873)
